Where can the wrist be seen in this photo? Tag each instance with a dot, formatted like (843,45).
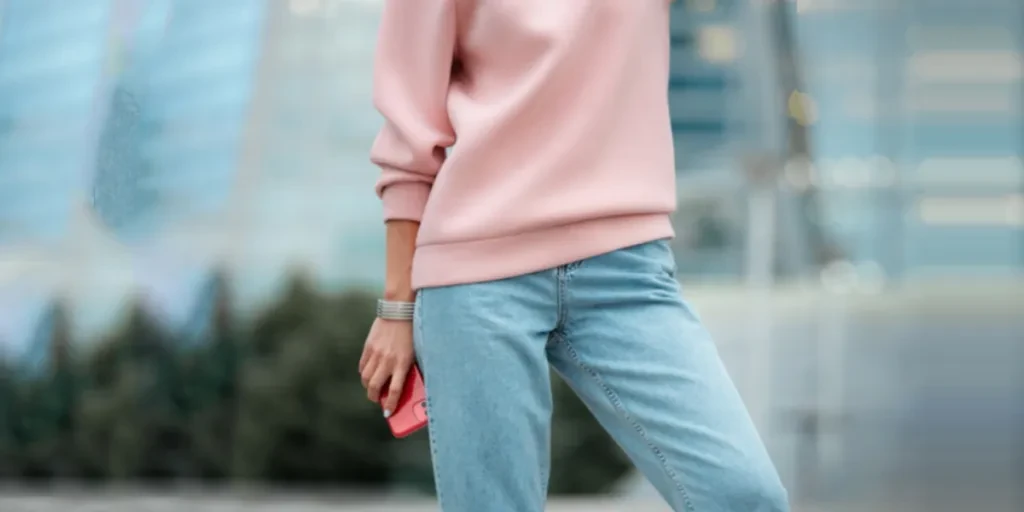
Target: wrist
(399,294)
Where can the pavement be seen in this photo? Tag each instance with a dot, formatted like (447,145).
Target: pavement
(109,502)
(267,500)
(276,504)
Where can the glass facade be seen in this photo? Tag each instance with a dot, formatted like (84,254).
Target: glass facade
(914,117)
(308,197)
(52,56)
(139,109)
(170,147)
(918,133)
(704,81)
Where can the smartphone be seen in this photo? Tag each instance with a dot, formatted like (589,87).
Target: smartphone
(411,413)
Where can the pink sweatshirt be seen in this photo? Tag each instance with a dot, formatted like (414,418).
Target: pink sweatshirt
(523,134)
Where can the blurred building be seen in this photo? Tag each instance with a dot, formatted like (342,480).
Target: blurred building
(237,131)
(123,124)
(705,81)
(170,144)
(913,119)
(917,126)
(305,198)
(254,152)
(52,56)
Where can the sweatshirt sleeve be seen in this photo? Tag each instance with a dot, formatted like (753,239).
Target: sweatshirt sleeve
(412,72)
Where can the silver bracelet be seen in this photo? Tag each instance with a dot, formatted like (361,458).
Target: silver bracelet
(391,310)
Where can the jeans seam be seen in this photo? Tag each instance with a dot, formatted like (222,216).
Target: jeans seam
(430,417)
(613,398)
(561,283)
(545,473)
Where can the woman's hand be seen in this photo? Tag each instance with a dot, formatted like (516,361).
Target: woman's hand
(387,357)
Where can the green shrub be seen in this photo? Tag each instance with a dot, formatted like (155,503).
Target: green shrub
(303,416)
(131,424)
(36,407)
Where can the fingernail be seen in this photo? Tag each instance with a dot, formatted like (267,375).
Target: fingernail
(387,413)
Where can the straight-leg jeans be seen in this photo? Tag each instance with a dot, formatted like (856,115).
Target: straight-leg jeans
(617,329)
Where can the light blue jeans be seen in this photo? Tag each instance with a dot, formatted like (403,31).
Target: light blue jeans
(617,330)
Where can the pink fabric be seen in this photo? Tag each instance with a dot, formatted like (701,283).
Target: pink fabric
(523,134)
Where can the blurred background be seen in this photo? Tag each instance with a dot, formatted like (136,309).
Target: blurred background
(190,250)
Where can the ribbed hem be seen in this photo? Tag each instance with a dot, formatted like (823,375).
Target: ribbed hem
(500,258)
(405,200)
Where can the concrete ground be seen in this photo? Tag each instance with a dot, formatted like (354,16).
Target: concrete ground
(114,503)
(267,501)
(192,504)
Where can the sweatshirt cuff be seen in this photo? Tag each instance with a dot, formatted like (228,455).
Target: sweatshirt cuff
(405,200)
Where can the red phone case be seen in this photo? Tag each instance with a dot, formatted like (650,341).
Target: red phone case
(411,413)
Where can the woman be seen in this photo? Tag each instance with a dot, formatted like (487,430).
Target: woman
(528,178)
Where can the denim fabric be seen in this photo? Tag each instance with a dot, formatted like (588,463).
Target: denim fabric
(616,328)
